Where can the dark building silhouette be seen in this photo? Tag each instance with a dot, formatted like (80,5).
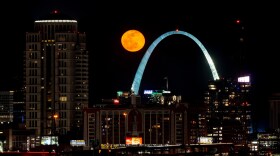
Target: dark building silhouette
(274,111)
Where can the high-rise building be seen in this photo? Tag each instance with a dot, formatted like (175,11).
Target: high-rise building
(56,77)
(274,111)
(6,106)
(6,118)
(229,116)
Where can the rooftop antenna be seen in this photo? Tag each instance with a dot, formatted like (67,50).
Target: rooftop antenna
(166,78)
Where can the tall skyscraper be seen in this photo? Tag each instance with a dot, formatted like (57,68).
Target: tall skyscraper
(56,77)
(229,116)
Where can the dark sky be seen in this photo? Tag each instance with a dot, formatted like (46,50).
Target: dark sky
(177,57)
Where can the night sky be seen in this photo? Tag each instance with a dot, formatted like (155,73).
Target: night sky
(177,57)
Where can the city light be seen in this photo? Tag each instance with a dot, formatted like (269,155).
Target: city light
(55,116)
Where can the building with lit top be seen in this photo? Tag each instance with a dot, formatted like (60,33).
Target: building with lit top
(55,78)
(228,116)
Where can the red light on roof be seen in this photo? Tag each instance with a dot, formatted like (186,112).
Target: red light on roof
(55,11)
(237,21)
(116,101)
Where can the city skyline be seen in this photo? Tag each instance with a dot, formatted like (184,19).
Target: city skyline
(177,58)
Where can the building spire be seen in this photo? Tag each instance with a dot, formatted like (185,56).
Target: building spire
(166,78)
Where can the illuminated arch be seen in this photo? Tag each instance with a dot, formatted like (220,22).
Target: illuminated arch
(138,76)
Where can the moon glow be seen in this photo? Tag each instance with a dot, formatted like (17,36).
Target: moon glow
(133,40)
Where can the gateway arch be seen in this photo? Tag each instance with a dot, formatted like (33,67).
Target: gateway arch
(139,73)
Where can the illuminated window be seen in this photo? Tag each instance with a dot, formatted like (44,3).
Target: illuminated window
(63,98)
(156,126)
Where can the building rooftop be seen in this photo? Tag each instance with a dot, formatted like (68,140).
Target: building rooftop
(56,15)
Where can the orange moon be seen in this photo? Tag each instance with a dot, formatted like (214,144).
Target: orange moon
(133,40)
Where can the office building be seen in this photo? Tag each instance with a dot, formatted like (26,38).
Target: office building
(55,78)
(6,106)
(228,115)
(127,124)
(6,118)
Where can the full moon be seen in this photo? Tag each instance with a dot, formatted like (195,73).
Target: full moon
(133,40)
